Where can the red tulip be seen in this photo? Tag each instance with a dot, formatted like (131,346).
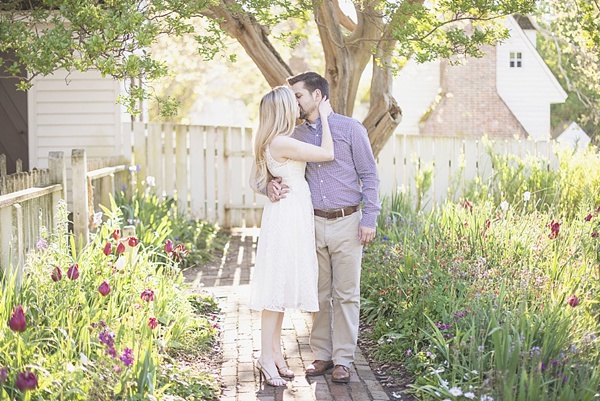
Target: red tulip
(17,319)
(56,274)
(573,301)
(107,249)
(152,323)
(26,381)
(117,234)
(169,247)
(73,272)
(133,241)
(554,229)
(104,289)
(588,217)
(147,295)
(120,248)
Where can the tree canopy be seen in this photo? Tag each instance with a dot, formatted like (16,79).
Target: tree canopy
(113,36)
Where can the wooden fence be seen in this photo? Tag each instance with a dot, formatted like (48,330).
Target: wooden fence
(207,168)
(29,201)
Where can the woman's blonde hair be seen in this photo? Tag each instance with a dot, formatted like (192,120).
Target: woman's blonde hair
(276,116)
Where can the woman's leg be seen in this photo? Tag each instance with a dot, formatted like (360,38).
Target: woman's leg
(270,330)
(278,354)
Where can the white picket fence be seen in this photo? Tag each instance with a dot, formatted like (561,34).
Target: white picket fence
(210,166)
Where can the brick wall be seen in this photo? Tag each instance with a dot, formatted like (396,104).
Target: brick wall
(470,105)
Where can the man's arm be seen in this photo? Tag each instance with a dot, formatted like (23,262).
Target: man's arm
(274,190)
(366,168)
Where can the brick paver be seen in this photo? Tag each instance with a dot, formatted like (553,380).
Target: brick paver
(228,279)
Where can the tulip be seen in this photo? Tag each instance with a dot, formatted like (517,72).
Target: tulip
(169,247)
(3,375)
(56,274)
(133,241)
(117,234)
(152,323)
(73,272)
(26,381)
(573,301)
(104,289)
(17,320)
(588,217)
(147,295)
(120,248)
(107,249)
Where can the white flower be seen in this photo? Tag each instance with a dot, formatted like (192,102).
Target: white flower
(98,218)
(470,395)
(475,372)
(486,398)
(150,181)
(444,383)
(504,205)
(396,395)
(120,263)
(526,196)
(455,391)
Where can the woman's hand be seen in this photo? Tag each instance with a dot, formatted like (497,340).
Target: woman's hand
(325,107)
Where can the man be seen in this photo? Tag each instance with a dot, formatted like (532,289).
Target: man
(338,188)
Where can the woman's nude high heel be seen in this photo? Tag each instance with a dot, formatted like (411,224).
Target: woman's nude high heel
(285,372)
(276,381)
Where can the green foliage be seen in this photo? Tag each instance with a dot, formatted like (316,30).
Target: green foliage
(83,344)
(485,301)
(530,183)
(570,45)
(157,220)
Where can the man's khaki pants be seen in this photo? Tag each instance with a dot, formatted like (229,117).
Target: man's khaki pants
(334,332)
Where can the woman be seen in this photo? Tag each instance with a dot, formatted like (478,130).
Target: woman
(285,272)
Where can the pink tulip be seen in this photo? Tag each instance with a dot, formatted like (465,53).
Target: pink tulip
(104,289)
(73,271)
(573,301)
(169,247)
(147,295)
(56,274)
(107,249)
(117,234)
(133,241)
(17,320)
(26,381)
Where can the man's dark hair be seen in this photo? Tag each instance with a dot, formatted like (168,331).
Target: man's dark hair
(312,81)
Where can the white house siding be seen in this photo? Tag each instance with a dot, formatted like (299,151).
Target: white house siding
(529,90)
(415,89)
(77,110)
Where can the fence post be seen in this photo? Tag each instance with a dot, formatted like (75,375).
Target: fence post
(58,175)
(81,215)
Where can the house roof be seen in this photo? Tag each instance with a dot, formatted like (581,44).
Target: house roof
(538,58)
(523,21)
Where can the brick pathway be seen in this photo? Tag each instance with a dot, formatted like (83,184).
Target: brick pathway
(228,279)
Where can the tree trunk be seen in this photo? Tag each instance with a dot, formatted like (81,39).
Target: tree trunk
(346,58)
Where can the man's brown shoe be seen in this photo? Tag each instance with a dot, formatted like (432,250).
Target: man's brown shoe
(340,374)
(317,368)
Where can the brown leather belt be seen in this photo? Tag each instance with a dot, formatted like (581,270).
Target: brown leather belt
(336,213)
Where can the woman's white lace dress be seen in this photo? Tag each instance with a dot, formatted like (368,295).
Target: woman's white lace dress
(285,272)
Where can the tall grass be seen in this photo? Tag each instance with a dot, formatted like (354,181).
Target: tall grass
(494,297)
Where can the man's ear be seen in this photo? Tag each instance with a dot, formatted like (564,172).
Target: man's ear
(317,95)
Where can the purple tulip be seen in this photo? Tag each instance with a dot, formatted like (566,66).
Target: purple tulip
(104,288)
(17,320)
(56,274)
(26,381)
(73,272)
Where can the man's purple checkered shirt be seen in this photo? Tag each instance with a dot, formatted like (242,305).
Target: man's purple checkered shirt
(337,183)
